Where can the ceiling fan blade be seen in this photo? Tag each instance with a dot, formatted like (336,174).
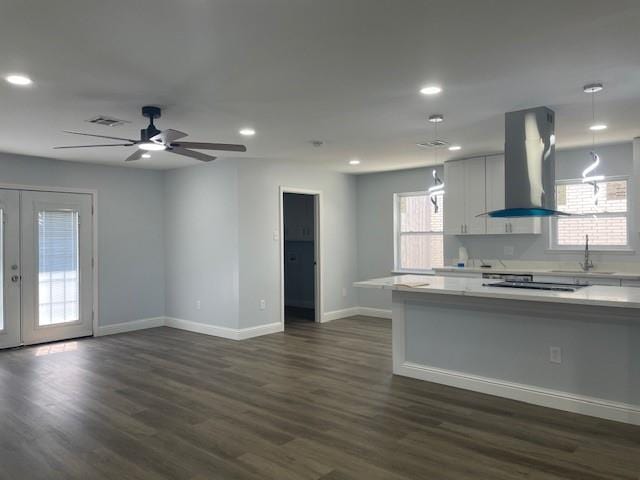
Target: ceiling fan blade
(102,136)
(229,147)
(91,146)
(134,156)
(165,137)
(203,157)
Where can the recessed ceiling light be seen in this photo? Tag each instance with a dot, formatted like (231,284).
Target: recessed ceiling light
(16,79)
(431,90)
(593,88)
(152,146)
(597,127)
(436,118)
(355,161)
(146,155)
(455,148)
(247,132)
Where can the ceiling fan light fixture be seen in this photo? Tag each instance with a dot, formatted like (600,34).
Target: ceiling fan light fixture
(152,147)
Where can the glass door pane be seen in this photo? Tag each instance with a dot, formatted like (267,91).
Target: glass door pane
(58,267)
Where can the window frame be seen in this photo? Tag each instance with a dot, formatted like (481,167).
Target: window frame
(397,233)
(629,214)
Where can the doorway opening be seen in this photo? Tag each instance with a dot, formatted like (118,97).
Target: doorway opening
(300,256)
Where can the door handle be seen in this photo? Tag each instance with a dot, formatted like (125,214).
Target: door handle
(15,278)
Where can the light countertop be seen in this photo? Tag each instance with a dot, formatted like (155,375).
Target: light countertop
(539,271)
(605,296)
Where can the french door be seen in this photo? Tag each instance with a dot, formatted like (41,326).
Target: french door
(46,243)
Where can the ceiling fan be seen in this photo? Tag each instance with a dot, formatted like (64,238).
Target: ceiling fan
(152,139)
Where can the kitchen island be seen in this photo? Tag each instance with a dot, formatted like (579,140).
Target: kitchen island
(573,350)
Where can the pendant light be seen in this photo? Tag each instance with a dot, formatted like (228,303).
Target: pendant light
(593,180)
(438,184)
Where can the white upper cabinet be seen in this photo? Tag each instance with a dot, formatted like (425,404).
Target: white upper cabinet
(475,199)
(464,197)
(475,186)
(454,193)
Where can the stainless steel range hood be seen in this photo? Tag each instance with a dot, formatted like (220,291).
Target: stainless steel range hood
(530,170)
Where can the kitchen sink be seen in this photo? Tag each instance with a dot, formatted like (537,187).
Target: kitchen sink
(582,271)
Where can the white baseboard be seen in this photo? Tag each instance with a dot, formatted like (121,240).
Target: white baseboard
(595,407)
(244,333)
(374,312)
(130,326)
(353,311)
(336,314)
(224,332)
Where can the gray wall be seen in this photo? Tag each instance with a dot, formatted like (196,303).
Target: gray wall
(374,202)
(258,197)
(130,229)
(375,220)
(201,235)
(224,250)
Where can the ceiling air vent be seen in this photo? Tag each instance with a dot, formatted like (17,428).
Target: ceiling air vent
(434,143)
(107,121)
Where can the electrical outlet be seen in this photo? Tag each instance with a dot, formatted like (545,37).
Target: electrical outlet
(344,291)
(276,235)
(198,305)
(509,251)
(555,354)
(263,304)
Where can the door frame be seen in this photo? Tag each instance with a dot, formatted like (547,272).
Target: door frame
(317,246)
(94,225)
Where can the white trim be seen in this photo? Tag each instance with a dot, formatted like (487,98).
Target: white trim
(123,327)
(354,311)
(223,332)
(343,313)
(318,245)
(374,312)
(94,215)
(250,332)
(595,407)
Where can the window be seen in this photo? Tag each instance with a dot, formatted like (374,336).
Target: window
(603,216)
(58,268)
(418,232)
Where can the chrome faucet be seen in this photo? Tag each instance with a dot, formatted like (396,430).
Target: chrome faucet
(588,264)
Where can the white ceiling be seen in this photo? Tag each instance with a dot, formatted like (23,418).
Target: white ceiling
(346,72)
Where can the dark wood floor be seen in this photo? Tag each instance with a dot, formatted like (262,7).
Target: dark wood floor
(318,402)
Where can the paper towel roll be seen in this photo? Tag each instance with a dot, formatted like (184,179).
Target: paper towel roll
(463,255)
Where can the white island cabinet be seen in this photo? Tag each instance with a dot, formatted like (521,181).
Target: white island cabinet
(577,351)
(475,186)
